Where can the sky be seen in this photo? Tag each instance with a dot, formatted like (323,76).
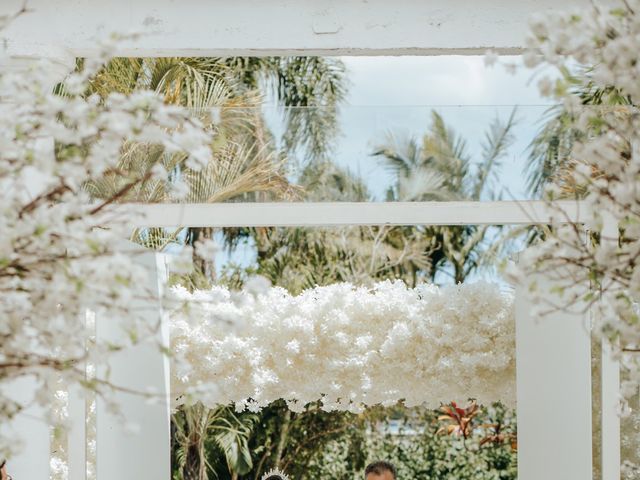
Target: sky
(397,94)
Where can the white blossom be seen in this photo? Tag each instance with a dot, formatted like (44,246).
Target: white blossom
(60,255)
(346,346)
(604,42)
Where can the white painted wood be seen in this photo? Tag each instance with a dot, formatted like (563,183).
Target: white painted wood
(610,395)
(144,455)
(77,441)
(31,430)
(610,416)
(279,27)
(553,365)
(77,435)
(292,214)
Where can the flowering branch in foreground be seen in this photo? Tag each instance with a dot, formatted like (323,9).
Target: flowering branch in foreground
(602,44)
(59,256)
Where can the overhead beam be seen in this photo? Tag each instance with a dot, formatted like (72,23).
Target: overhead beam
(278,27)
(294,214)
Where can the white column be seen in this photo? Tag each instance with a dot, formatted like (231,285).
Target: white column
(610,416)
(30,429)
(553,363)
(144,455)
(610,384)
(31,424)
(77,435)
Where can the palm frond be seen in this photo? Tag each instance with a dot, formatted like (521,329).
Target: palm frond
(401,153)
(236,171)
(497,141)
(310,89)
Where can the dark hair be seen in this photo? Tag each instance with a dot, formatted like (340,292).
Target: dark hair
(2,463)
(380,467)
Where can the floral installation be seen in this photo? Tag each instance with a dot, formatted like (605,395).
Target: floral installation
(345,346)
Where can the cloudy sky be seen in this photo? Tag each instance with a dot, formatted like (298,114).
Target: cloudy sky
(442,80)
(397,94)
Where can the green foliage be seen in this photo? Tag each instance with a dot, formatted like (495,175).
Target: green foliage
(420,453)
(205,441)
(338,445)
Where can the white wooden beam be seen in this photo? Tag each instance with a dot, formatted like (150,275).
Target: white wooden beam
(290,214)
(279,27)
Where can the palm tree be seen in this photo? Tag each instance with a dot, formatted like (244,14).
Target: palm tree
(246,165)
(439,168)
(550,151)
(299,258)
(200,433)
(310,88)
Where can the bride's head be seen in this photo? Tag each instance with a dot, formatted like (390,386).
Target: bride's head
(275,475)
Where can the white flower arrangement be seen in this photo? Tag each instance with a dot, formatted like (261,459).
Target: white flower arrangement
(345,346)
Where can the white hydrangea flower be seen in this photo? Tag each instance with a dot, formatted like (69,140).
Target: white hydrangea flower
(347,346)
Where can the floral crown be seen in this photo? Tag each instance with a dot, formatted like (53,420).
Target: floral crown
(275,474)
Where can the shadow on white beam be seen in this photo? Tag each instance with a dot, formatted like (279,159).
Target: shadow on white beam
(345,213)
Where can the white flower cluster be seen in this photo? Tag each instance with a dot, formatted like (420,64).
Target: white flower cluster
(345,346)
(60,256)
(603,45)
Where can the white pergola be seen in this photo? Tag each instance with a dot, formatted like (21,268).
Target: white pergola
(553,355)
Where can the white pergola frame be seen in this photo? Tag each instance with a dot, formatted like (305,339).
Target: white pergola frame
(323,214)
(551,360)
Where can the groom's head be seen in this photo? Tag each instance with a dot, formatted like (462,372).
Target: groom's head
(380,471)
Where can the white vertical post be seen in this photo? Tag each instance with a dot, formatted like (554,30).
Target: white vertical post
(610,384)
(610,417)
(30,428)
(145,454)
(77,436)
(553,365)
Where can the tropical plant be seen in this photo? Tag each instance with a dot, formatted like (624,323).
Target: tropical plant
(550,159)
(198,431)
(225,95)
(439,168)
(299,258)
(310,88)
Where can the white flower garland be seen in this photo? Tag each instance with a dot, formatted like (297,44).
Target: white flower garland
(346,346)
